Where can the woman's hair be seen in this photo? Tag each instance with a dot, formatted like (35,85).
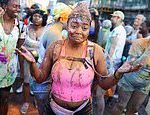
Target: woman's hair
(3,3)
(35,6)
(42,13)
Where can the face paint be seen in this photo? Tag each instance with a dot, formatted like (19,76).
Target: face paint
(78,29)
(77,22)
(80,17)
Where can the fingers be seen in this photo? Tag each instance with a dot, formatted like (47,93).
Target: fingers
(136,67)
(18,51)
(23,49)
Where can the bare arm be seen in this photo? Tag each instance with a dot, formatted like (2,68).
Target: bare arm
(100,66)
(112,79)
(40,74)
(43,71)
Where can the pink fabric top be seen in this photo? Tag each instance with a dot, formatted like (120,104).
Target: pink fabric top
(71,85)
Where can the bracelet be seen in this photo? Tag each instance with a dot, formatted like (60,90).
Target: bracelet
(117,78)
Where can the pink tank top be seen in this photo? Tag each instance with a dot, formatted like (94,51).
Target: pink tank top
(72,85)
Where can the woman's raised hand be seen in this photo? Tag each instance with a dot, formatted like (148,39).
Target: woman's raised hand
(128,66)
(26,54)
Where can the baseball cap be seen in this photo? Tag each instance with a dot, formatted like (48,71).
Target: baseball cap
(119,14)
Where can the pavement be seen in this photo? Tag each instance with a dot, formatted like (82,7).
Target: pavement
(15,103)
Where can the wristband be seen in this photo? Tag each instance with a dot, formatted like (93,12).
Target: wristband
(117,78)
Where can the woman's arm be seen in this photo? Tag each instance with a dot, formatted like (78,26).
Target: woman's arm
(107,81)
(43,71)
(40,74)
(104,80)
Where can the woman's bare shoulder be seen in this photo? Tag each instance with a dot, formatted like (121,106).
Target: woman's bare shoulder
(55,48)
(98,48)
(56,44)
(98,53)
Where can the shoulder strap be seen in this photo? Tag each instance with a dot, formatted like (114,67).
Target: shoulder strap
(90,58)
(90,50)
(59,51)
(90,54)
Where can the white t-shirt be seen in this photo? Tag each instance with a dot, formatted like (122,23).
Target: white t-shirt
(133,36)
(118,34)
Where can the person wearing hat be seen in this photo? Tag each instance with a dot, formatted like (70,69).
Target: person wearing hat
(134,86)
(71,64)
(115,43)
(116,40)
(104,32)
(60,14)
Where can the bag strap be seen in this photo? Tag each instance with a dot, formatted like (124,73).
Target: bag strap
(90,58)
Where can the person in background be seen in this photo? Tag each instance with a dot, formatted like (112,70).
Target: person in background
(61,12)
(34,7)
(135,86)
(50,19)
(97,92)
(69,63)
(116,41)
(139,20)
(137,24)
(51,35)
(94,28)
(129,30)
(27,22)
(35,33)
(29,12)
(9,40)
(104,33)
(102,39)
(144,31)
(115,45)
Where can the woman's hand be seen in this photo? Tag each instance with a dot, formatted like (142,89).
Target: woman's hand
(128,67)
(26,54)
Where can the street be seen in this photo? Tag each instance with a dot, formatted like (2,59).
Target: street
(16,100)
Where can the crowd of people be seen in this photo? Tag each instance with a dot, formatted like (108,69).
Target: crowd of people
(71,62)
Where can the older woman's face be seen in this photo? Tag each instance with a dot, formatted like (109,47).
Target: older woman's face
(78,29)
(37,19)
(13,8)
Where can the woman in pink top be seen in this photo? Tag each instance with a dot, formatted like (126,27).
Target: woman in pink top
(71,63)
